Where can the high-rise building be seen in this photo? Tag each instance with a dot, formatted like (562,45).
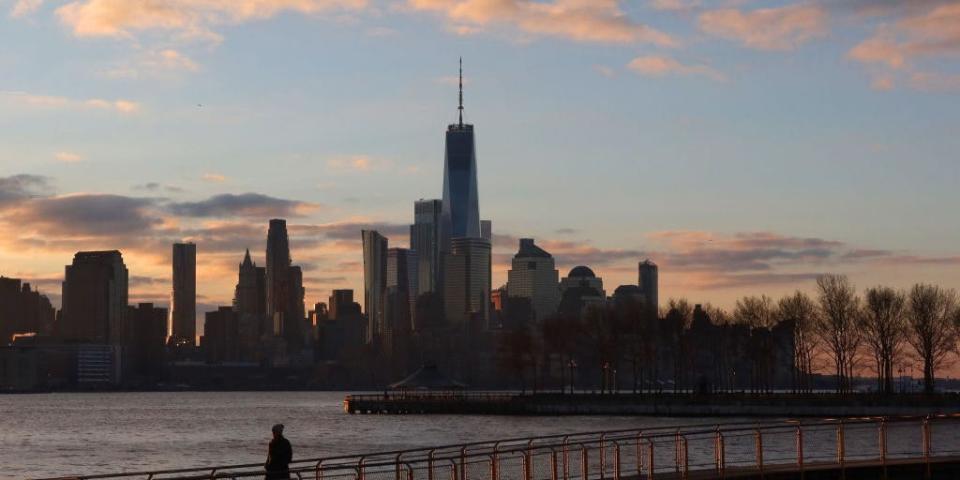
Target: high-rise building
(425,240)
(580,289)
(23,310)
(533,275)
(339,300)
(374,280)
(278,273)
(647,281)
(460,217)
(221,334)
(466,295)
(183,298)
(293,328)
(95,298)
(250,305)
(402,285)
(146,334)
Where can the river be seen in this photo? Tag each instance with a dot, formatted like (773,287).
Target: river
(59,434)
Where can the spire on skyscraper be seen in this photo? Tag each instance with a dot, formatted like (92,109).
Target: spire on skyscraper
(461,93)
(246,259)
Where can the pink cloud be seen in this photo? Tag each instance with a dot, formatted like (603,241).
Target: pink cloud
(579,20)
(660,66)
(783,28)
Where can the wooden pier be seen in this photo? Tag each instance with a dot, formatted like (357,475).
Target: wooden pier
(672,405)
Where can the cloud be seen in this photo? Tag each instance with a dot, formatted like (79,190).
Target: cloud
(185,18)
(660,66)
(213,177)
(25,7)
(674,5)
(57,102)
(157,187)
(926,30)
(600,21)
(934,82)
(783,28)
(357,163)
(20,187)
(85,215)
(242,205)
(68,157)
(605,71)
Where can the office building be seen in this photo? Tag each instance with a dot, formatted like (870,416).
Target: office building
(183,298)
(533,275)
(425,240)
(95,298)
(401,288)
(580,289)
(374,280)
(146,333)
(460,216)
(278,274)
(250,306)
(221,334)
(466,296)
(339,300)
(648,282)
(23,310)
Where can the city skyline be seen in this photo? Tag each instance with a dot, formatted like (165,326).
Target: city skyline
(712,199)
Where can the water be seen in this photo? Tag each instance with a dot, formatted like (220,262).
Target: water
(69,433)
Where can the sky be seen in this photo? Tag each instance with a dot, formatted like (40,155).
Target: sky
(745,146)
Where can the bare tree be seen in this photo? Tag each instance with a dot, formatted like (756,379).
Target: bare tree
(884,331)
(837,325)
(931,311)
(755,312)
(802,312)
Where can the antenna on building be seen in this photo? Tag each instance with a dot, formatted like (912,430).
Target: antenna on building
(461,93)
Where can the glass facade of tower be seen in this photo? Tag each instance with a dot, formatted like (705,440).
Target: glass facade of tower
(461,210)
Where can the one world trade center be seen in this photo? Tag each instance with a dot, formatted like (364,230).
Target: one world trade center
(460,217)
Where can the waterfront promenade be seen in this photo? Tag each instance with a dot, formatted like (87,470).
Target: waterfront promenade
(893,448)
(663,404)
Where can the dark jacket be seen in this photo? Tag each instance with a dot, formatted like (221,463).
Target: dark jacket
(279,456)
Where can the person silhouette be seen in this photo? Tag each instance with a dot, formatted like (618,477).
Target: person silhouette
(279,455)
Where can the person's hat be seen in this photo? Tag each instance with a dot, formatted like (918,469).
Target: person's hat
(278,428)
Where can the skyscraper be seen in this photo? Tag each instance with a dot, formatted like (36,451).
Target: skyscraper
(402,283)
(648,282)
(95,298)
(533,275)
(250,305)
(183,298)
(278,272)
(466,293)
(460,216)
(425,239)
(374,280)
(339,300)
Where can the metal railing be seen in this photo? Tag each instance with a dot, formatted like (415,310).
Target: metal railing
(674,452)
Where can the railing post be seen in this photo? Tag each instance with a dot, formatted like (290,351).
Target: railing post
(686,460)
(676,452)
(719,455)
(841,447)
(527,462)
(926,446)
(584,466)
(603,456)
(553,464)
(566,458)
(495,464)
(320,470)
(800,448)
(650,462)
(758,445)
(639,446)
(616,460)
(882,442)
(463,463)
(360,471)
(429,466)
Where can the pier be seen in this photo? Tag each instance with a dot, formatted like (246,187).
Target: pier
(660,404)
(874,448)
